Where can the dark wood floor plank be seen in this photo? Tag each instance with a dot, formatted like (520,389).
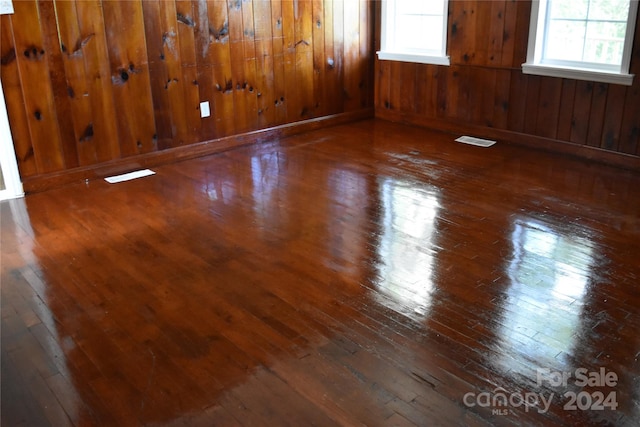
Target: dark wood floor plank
(366,274)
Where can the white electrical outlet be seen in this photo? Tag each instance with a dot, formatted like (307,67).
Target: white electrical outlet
(204,109)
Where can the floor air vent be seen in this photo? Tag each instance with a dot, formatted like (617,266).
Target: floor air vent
(476,141)
(129,176)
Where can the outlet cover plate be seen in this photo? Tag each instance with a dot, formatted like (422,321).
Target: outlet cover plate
(204,109)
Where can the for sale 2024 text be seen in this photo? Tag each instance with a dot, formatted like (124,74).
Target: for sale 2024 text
(595,400)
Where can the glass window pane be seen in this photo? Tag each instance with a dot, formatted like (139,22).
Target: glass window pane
(604,42)
(612,10)
(420,7)
(417,32)
(568,9)
(433,29)
(565,40)
(408,31)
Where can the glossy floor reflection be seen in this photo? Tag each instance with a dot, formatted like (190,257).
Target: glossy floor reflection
(370,274)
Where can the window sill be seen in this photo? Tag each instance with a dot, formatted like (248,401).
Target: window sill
(414,57)
(578,74)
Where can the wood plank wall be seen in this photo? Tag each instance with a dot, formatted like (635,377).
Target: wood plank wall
(484,89)
(88,82)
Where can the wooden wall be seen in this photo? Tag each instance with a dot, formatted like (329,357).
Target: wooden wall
(89,82)
(485,91)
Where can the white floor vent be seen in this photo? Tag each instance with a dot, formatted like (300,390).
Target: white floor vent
(129,176)
(476,141)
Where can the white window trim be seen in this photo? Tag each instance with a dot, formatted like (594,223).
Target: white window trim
(386,53)
(534,52)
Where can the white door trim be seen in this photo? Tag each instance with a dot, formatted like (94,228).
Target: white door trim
(8,161)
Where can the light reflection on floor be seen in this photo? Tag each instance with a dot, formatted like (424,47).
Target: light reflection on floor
(549,274)
(406,250)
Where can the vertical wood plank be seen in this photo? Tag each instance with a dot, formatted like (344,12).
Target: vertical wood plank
(96,59)
(248,29)
(167,77)
(319,73)
(630,128)
(442,77)
(423,89)
(565,115)
(289,100)
(204,37)
(581,108)
(222,75)
(596,116)
(249,91)
(614,112)
(383,85)
(483,31)
(130,76)
(395,97)
(352,68)
(331,81)
(15,101)
(548,107)
(242,119)
(509,33)
(469,43)
(521,36)
(498,30)
(203,33)
(242,57)
(517,104)
(249,85)
(328,65)
(407,87)
(532,102)
(465,100)
(76,80)
(432,94)
(501,99)
(188,61)
(156,36)
(279,78)
(264,63)
(457,105)
(337,99)
(61,94)
(488,88)
(304,59)
(366,53)
(37,88)
(455,37)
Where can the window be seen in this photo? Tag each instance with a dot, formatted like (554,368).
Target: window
(414,31)
(582,39)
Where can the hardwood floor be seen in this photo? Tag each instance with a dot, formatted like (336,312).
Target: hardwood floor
(367,274)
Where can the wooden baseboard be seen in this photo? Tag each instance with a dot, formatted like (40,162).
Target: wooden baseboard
(613,158)
(114,167)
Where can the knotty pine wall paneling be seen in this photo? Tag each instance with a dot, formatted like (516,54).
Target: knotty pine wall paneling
(484,90)
(92,83)
(46,145)
(21,133)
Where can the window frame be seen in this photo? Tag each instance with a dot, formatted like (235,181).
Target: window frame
(578,70)
(392,53)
